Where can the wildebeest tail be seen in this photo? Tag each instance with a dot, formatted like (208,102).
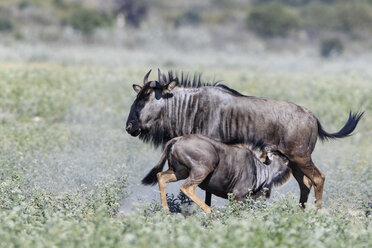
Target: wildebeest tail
(347,129)
(151,178)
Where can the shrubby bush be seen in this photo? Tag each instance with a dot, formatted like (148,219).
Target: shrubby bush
(87,20)
(331,47)
(345,17)
(272,20)
(105,197)
(354,16)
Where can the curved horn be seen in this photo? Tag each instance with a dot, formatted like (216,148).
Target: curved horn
(161,78)
(146,77)
(159,75)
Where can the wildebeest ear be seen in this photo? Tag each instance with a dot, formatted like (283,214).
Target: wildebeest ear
(286,161)
(137,88)
(268,158)
(171,85)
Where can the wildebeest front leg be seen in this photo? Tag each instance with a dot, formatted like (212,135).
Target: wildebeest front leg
(164,178)
(208,198)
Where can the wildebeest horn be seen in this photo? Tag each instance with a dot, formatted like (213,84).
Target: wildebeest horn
(161,78)
(146,77)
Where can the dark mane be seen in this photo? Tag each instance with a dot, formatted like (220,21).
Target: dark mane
(195,81)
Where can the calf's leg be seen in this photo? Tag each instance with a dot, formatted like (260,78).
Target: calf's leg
(196,176)
(190,192)
(163,179)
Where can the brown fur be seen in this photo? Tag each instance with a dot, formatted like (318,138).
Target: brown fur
(217,168)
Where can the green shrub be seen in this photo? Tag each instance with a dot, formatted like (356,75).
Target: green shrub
(331,47)
(5,24)
(86,20)
(344,17)
(272,20)
(353,16)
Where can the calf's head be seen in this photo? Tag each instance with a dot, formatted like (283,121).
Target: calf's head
(146,109)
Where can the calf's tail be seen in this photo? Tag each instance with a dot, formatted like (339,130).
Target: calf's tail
(151,178)
(347,129)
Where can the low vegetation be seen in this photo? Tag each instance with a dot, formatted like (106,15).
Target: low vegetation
(66,166)
(87,21)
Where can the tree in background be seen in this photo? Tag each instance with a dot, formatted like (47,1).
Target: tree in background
(272,19)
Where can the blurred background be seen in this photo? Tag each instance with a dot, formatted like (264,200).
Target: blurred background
(324,28)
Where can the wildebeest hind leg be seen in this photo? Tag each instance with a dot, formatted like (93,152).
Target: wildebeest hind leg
(195,178)
(317,178)
(304,183)
(190,192)
(166,177)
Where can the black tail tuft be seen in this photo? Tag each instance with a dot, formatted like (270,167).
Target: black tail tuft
(346,131)
(151,178)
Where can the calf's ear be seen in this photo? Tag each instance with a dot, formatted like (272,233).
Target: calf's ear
(286,161)
(137,88)
(269,158)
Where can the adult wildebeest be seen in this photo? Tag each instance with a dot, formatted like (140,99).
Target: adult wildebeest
(217,168)
(170,107)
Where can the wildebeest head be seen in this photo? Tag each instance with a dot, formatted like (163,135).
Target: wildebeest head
(276,159)
(267,154)
(146,108)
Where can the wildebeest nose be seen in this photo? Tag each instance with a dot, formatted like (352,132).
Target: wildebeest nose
(129,127)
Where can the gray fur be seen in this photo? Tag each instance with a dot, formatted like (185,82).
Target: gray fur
(176,107)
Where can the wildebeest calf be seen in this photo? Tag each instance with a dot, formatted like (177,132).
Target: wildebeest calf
(217,168)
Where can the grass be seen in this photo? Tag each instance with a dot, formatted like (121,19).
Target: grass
(66,165)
